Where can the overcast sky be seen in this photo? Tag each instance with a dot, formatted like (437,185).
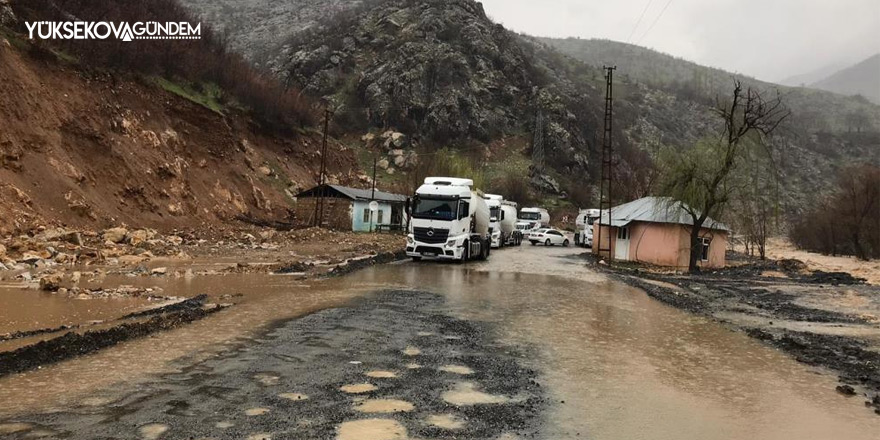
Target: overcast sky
(767,39)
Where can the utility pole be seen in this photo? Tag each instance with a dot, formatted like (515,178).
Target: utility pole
(605,185)
(373,195)
(322,180)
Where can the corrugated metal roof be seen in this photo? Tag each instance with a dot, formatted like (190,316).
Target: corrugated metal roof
(367,194)
(655,210)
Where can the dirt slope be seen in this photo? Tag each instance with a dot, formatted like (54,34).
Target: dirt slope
(90,149)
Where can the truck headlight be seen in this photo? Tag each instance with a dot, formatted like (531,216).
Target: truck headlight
(450,243)
(496,234)
(409,239)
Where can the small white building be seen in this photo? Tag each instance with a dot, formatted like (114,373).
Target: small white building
(349,208)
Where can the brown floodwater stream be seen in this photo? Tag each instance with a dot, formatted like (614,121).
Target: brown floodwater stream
(617,364)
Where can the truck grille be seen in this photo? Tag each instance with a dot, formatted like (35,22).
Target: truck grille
(431,235)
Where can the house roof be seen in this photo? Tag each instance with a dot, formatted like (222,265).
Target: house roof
(354,194)
(655,210)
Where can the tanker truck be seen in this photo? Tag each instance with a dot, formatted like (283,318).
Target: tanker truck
(535,218)
(502,217)
(450,221)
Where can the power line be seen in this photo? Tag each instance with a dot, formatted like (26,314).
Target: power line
(656,20)
(641,17)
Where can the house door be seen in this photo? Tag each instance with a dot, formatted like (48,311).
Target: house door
(621,246)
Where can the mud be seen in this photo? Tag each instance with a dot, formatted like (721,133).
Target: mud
(755,299)
(220,398)
(74,344)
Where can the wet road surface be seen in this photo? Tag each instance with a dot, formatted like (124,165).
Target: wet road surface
(553,349)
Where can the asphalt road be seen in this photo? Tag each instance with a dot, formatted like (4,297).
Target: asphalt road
(531,344)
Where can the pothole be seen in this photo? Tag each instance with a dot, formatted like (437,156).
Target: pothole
(466,394)
(457,369)
(267,379)
(384,406)
(380,374)
(293,396)
(373,429)
(359,388)
(224,425)
(260,436)
(446,421)
(413,366)
(412,351)
(252,412)
(153,431)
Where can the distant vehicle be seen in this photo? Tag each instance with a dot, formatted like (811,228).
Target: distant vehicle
(536,217)
(450,221)
(502,217)
(583,235)
(548,237)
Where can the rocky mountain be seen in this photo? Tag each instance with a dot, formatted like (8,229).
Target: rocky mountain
(445,75)
(860,79)
(253,25)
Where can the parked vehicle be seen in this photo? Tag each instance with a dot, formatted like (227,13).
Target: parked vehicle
(583,235)
(548,237)
(502,217)
(450,221)
(537,217)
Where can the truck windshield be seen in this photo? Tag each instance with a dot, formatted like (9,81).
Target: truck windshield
(435,209)
(530,216)
(495,213)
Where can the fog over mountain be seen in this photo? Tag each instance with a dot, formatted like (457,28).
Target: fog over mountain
(785,38)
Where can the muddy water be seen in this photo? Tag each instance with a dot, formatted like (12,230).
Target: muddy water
(618,364)
(29,309)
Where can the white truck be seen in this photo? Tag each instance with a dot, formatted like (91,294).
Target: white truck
(502,217)
(450,221)
(534,218)
(583,235)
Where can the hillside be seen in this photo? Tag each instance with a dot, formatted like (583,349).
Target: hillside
(860,79)
(91,149)
(251,26)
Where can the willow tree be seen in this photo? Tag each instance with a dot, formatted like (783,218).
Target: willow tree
(702,176)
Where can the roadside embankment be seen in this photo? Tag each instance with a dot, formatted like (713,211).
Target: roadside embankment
(66,292)
(827,320)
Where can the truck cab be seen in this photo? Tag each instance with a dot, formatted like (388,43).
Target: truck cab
(450,221)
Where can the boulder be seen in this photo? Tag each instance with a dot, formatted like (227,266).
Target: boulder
(384,164)
(115,235)
(399,161)
(51,283)
(159,271)
(135,238)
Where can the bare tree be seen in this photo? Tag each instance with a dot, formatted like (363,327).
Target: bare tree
(701,176)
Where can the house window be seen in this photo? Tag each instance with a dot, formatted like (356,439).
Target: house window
(704,252)
(623,233)
(366,215)
(381,217)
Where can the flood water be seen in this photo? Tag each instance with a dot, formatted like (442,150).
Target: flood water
(617,364)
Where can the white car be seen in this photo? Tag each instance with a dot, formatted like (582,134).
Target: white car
(548,237)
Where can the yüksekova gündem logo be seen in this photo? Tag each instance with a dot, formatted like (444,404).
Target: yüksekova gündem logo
(123,31)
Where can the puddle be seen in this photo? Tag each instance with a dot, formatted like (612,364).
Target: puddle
(412,351)
(253,412)
(457,369)
(424,334)
(466,394)
(358,388)
(446,421)
(261,436)
(293,396)
(224,425)
(383,406)
(381,374)
(371,429)
(413,366)
(267,379)
(12,428)
(153,431)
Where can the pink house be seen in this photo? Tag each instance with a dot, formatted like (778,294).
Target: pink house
(656,230)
